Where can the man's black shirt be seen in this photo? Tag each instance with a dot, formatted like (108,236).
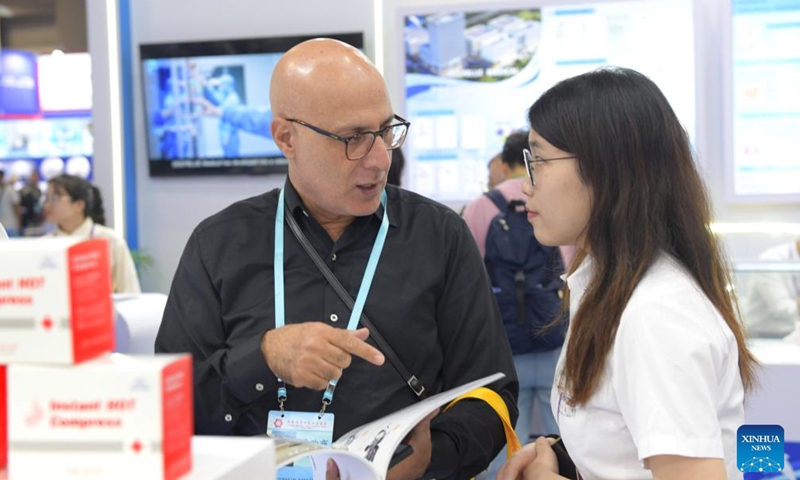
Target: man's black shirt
(430,299)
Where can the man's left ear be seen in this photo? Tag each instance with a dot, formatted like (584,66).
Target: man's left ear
(282,133)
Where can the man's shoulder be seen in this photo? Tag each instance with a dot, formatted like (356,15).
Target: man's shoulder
(414,204)
(243,214)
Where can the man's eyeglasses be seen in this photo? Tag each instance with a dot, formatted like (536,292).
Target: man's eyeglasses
(359,145)
(530,161)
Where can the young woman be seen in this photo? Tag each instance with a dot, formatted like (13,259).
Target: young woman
(651,380)
(74,205)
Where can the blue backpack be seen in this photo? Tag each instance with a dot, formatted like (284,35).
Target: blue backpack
(525,277)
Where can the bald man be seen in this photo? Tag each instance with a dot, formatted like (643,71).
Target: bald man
(267,340)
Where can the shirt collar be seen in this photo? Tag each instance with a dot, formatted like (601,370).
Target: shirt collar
(579,279)
(295,204)
(84,230)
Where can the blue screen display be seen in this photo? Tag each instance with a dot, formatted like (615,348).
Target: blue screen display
(207,105)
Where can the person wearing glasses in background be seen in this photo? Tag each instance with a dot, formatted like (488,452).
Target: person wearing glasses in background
(262,321)
(652,377)
(75,207)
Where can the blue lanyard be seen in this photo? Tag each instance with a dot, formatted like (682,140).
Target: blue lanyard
(361,299)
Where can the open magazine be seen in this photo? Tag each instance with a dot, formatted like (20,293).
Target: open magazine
(365,453)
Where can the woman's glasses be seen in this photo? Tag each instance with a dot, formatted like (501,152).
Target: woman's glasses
(531,160)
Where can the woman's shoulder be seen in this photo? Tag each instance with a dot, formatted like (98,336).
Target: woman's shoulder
(668,298)
(102,231)
(666,277)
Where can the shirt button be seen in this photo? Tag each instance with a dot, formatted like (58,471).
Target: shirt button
(333,257)
(259,386)
(228,417)
(334,317)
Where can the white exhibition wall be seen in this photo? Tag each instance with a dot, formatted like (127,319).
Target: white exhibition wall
(169,208)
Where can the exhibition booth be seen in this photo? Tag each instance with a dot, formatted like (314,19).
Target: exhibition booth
(168,113)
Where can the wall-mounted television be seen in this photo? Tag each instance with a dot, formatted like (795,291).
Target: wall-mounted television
(471,74)
(763,101)
(207,104)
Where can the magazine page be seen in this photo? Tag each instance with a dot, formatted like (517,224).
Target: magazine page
(351,466)
(377,441)
(365,452)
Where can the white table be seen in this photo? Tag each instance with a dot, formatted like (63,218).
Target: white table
(227,458)
(776,399)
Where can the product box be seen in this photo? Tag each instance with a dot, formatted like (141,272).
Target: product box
(231,458)
(55,300)
(3,419)
(118,416)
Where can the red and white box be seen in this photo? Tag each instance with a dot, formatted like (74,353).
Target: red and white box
(118,416)
(55,300)
(3,420)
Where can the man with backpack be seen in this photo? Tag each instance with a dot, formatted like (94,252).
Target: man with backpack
(526,280)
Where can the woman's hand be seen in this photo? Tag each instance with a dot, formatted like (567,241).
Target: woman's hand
(535,461)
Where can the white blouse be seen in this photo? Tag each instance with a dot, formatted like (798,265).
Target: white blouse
(123,271)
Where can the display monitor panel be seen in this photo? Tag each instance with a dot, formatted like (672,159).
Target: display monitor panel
(45,115)
(207,105)
(763,145)
(470,75)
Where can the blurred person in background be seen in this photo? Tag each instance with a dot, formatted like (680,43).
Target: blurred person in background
(499,171)
(10,210)
(76,208)
(31,202)
(771,302)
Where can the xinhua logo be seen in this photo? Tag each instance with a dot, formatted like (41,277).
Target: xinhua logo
(760,448)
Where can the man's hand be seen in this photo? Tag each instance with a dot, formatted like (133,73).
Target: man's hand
(312,354)
(535,461)
(418,462)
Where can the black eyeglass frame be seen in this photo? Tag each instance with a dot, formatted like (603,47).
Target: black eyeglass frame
(530,160)
(346,140)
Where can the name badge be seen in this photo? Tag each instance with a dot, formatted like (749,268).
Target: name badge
(304,427)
